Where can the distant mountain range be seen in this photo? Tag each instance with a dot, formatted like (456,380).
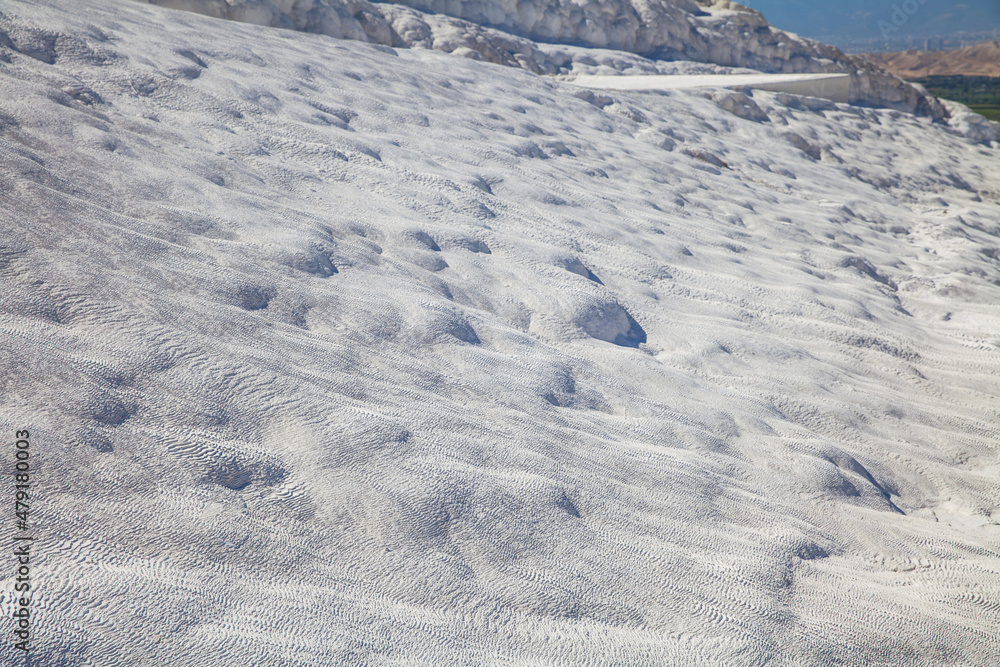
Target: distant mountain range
(851,21)
(978,60)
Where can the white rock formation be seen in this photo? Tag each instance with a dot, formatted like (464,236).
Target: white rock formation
(507,32)
(341,355)
(968,123)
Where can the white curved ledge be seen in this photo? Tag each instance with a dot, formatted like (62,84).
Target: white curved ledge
(834,87)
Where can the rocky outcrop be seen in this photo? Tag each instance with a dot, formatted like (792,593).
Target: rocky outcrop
(510,32)
(971,125)
(388,24)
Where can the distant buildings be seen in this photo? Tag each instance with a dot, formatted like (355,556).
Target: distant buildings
(908,42)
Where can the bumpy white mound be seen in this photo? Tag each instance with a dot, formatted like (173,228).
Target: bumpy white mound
(334,354)
(511,32)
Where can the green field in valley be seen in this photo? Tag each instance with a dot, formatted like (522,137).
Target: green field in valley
(991,112)
(980,93)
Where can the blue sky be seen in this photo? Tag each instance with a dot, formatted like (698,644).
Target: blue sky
(869,19)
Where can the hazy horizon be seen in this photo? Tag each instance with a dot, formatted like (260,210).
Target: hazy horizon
(885,24)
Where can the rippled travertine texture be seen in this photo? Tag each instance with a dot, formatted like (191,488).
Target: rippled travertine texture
(336,354)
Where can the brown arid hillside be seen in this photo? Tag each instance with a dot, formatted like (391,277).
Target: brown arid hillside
(978,60)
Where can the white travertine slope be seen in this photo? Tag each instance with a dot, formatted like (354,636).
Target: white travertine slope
(510,32)
(335,354)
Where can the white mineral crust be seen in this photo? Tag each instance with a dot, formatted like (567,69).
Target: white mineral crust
(335,353)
